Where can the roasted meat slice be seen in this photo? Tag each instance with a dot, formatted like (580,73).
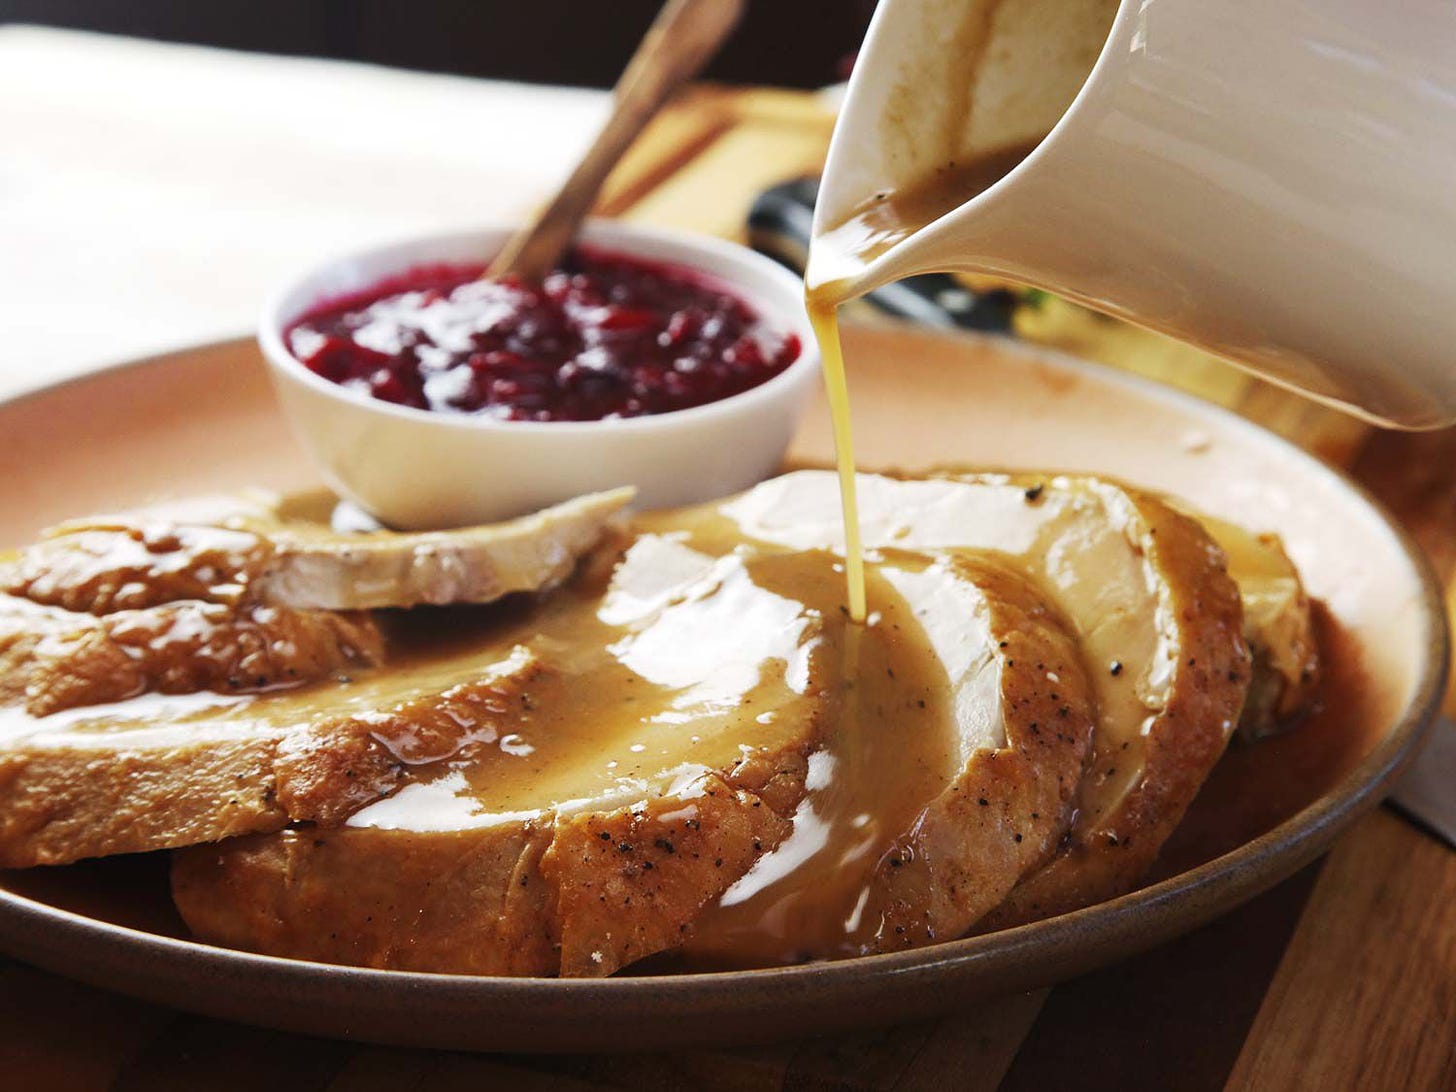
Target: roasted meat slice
(284,551)
(172,770)
(884,859)
(1278,625)
(59,660)
(179,674)
(1149,597)
(662,753)
(910,773)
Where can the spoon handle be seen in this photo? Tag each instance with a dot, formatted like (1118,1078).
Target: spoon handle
(682,39)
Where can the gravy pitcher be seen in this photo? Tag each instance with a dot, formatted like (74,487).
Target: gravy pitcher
(1273,181)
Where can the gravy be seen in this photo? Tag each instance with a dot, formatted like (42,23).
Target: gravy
(963,113)
(891,750)
(892,216)
(693,650)
(693,654)
(836,256)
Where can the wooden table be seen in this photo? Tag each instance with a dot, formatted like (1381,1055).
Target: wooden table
(1342,977)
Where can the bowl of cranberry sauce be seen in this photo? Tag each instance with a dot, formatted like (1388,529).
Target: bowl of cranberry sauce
(433,397)
(607,335)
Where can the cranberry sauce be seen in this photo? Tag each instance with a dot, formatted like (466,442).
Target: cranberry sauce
(604,336)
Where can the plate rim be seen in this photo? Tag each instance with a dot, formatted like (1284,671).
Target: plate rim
(1208,889)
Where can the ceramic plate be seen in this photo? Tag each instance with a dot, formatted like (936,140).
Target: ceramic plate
(205,420)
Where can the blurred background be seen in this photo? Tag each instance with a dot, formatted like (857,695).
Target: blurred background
(170,161)
(790,43)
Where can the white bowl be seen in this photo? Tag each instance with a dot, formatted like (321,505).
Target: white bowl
(415,469)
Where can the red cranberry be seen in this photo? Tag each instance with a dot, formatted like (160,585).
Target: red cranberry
(605,336)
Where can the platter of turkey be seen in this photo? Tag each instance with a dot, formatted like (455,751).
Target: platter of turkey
(575,778)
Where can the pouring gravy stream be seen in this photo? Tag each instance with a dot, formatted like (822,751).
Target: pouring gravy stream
(836,256)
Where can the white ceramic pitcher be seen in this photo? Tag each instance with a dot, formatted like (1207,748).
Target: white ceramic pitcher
(1271,180)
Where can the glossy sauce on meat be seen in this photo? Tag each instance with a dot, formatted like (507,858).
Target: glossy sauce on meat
(891,750)
(684,656)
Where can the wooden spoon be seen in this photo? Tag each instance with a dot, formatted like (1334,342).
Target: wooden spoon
(681,40)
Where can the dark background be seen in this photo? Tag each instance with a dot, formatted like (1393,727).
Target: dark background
(793,43)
